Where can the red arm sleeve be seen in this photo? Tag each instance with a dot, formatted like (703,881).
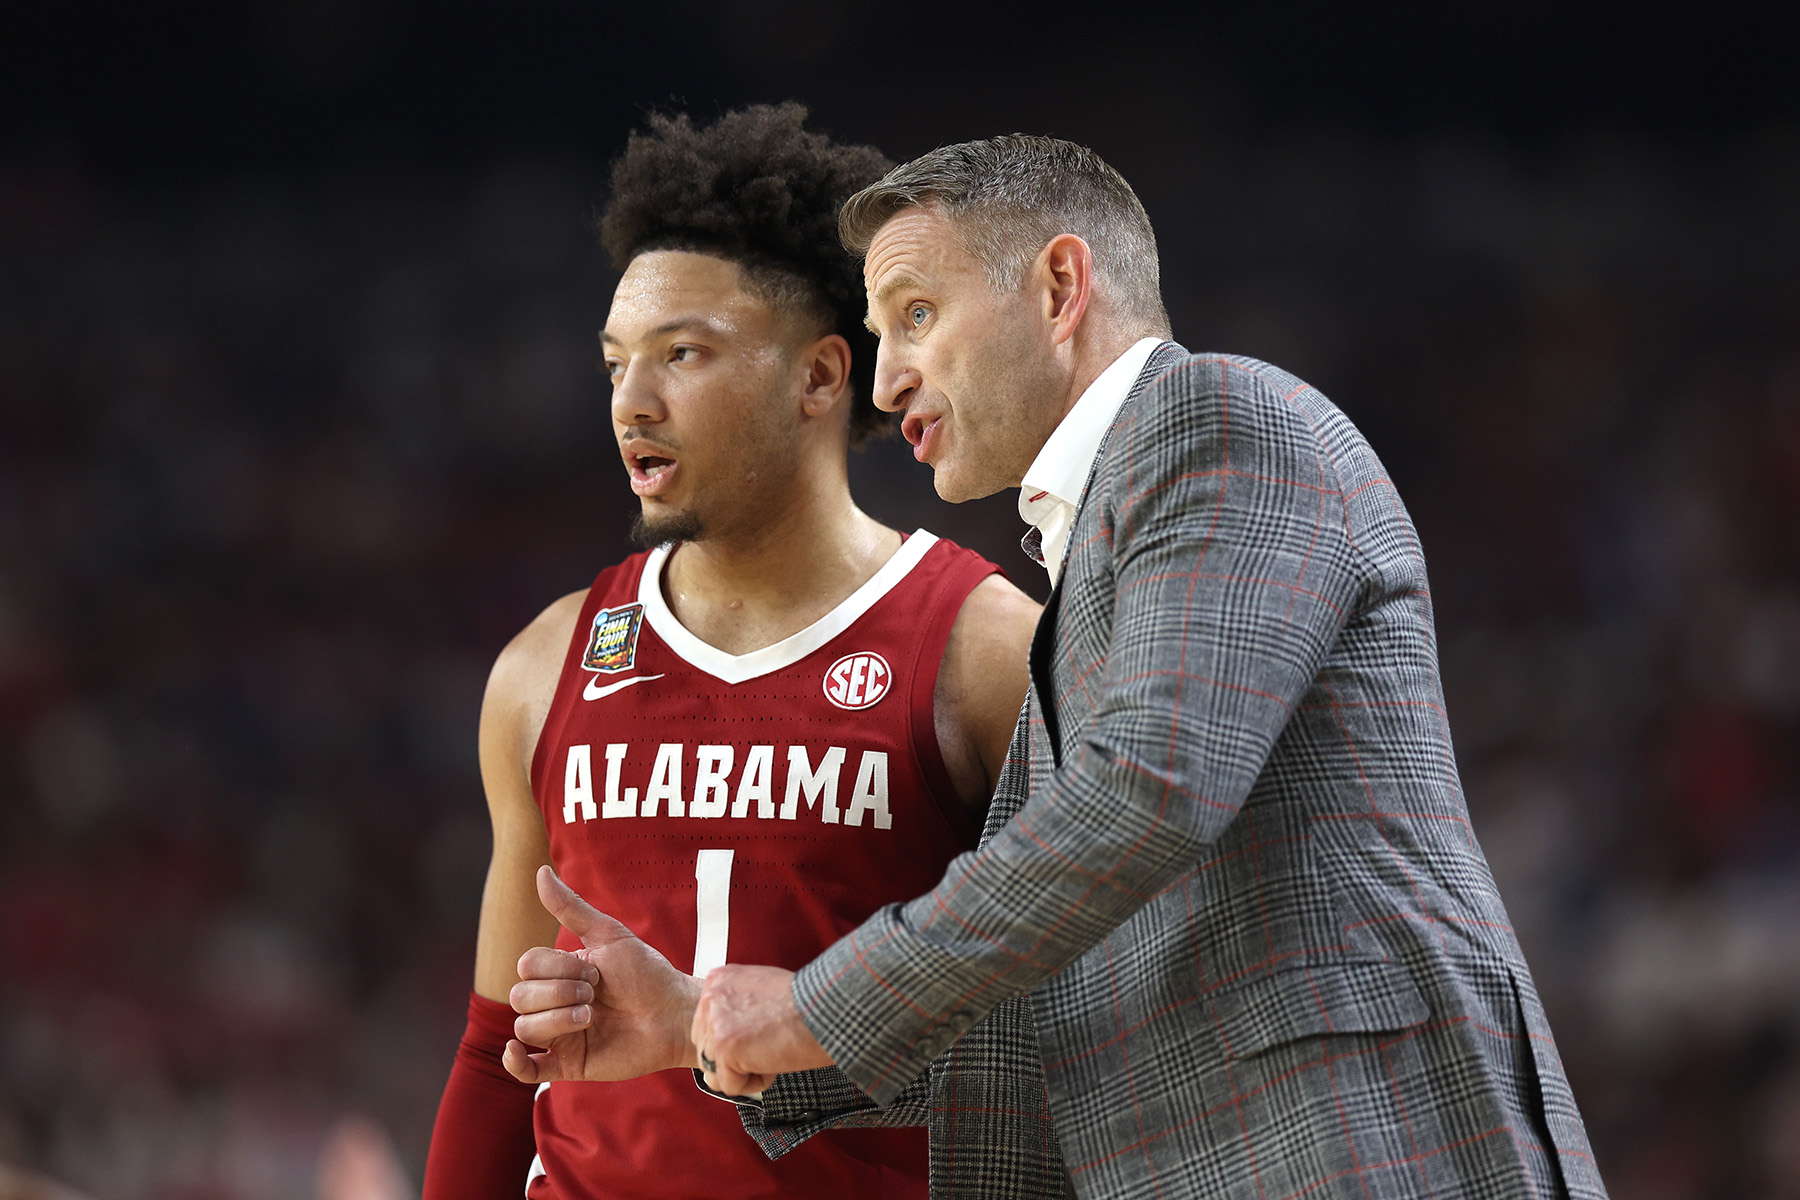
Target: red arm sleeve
(482,1144)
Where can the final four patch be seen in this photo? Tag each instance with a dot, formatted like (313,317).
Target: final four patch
(613,647)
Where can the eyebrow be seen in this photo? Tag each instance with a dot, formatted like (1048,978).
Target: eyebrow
(885,293)
(703,324)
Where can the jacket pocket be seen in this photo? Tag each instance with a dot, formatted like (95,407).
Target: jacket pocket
(1315,999)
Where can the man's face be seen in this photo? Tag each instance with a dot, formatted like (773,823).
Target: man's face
(972,369)
(703,375)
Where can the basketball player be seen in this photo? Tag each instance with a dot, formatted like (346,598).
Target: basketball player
(777,718)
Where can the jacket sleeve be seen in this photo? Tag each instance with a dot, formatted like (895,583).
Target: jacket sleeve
(983,1102)
(802,1103)
(993,1071)
(1232,576)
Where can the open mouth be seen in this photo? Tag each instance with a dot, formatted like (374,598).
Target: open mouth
(649,466)
(918,430)
(649,472)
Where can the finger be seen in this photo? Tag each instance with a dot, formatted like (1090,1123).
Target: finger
(593,927)
(540,995)
(523,1065)
(759,1084)
(543,1028)
(542,962)
(736,1083)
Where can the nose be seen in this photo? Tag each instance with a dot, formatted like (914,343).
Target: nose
(634,398)
(895,379)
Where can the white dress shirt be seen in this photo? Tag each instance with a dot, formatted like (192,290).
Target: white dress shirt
(1057,476)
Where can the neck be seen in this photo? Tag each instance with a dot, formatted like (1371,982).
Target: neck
(1092,357)
(760,580)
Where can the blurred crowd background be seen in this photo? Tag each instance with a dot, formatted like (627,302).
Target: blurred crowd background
(299,423)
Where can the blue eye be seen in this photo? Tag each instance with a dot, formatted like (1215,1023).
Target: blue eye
(918,313)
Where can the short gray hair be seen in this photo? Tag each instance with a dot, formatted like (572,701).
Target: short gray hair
(1008,196)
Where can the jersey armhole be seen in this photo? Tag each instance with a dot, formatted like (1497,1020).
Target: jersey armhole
(945,606)
(563,697)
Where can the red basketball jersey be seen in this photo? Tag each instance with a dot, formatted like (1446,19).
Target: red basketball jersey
(751,808)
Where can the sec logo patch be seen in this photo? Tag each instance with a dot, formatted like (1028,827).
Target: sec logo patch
(857,680)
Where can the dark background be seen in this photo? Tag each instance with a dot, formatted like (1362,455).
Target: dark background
(299,423)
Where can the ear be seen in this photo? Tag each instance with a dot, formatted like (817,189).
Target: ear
(1065,271)
(827,374)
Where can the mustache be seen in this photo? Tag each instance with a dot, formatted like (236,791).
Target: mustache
(636,433)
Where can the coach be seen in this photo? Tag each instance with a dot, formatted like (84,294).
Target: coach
(1264,952)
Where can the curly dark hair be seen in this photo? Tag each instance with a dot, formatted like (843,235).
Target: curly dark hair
(756,189)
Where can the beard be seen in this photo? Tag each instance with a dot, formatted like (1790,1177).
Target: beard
(756,474)
(647,533)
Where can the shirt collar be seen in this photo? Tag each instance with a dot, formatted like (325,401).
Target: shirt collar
(1062,467)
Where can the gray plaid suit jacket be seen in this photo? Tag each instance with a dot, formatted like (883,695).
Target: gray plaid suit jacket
(1228,862)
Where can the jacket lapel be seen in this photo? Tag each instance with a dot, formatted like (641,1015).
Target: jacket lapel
(1043,640)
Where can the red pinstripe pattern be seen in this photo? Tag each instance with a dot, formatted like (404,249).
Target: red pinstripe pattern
(1325,1058)
(1412,1139)
(1262,898)
(1252,601)
(1081,678)
(1227,472)
(988,1110)
(1259,968)
(1411,1159)
(1519,1148)
(1203,577)
(1343,704)
(1349,1134)
(1374,808)
(1190,677)
(1137,1109)
(1444,919)
(1387,815)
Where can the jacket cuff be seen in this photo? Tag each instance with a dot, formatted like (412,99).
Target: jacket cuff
(749,1100)
(863,1000)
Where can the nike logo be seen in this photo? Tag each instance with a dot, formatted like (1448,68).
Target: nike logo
(593,690)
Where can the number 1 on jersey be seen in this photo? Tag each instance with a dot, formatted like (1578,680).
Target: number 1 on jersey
(712,901)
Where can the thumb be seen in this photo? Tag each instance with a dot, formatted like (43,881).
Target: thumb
(593,927)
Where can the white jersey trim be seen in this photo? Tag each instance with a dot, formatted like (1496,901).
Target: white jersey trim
(736,668)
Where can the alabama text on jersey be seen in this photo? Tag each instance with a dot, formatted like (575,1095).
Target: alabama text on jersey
(745,808)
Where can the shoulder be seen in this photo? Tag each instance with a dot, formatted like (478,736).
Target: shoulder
(982,682)
(523,680)
(539,645)
(532,661)
(1203,379)
(991,631)
(1214,410)
(955,578)
(995,612)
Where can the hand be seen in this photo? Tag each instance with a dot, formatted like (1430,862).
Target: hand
(614,1009)
(748,1031)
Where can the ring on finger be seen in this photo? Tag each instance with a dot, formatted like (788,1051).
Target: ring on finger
(707,1064)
